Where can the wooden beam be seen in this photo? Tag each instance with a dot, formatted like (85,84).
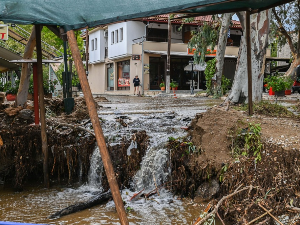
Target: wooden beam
(38,29)
(249,63)
(91,105)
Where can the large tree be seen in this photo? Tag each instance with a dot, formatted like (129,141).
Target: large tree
(285,28)
(259,32)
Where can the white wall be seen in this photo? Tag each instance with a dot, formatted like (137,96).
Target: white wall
(123,48)
(97,55)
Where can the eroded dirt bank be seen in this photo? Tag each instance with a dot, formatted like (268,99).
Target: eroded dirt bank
(70,147)
(217,159)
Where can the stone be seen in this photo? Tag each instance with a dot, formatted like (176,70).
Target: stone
(25,114)
(207,191)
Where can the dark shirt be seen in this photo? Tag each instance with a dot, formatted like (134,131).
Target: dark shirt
(136,81)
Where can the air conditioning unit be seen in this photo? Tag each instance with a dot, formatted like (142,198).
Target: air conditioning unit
(105,33)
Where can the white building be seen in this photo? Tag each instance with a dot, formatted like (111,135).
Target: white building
(120,51)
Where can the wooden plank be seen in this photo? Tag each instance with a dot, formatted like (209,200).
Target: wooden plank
(38,29)
(91,105)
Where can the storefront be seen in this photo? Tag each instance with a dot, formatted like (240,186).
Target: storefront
(123,75)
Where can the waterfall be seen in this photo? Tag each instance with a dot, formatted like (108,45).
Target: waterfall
(96,169)
(153,169)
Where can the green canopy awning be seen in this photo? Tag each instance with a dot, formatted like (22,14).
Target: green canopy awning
(77,14)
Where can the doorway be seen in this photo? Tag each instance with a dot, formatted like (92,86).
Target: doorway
(110,77)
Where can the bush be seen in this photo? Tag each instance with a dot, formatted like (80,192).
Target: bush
(278,83)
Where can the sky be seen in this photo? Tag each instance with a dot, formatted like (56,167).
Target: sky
(235,17)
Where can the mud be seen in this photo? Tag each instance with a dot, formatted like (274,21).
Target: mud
(70,149)
(274,179)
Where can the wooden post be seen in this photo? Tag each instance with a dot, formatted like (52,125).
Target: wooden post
(168,56)
(91,105)
(38,29)
(249,63)
(35,94)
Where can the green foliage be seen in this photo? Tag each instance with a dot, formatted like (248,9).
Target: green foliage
(223,171)
(278,83)
(75,78)
(11,89)
(209,72)
(162,84)
(206,36)
(289,15)
(173,84)
(171,139)
(225,84)
(269,109)
(248,141)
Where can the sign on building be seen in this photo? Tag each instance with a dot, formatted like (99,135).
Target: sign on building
(136,57)
(3,32)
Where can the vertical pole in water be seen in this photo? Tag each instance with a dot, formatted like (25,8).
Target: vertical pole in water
(168,56)
(35,94)
(249,63)
(38,29)
(91,105)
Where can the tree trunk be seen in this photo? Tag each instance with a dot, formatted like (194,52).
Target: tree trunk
(259,39)
(25,74)
(226,18)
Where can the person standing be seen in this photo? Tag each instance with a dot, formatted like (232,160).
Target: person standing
(136,83)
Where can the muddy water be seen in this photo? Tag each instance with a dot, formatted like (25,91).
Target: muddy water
(161,117)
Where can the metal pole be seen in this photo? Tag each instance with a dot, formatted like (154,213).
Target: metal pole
(91,105)
(35,95)
(249,63)
(65,75)
(38,29)
(192,88)
(168,56)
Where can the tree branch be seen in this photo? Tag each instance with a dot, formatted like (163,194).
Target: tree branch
(220,202)
(283,31)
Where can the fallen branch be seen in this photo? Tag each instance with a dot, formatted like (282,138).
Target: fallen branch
(293,208)
(220,202)
(82,205)
(205,211)
(261,216)
(269,213)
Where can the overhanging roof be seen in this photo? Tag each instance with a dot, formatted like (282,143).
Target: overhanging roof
(5,57)
(81,13)
(181,54)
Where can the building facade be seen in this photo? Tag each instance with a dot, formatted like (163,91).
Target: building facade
(119,52)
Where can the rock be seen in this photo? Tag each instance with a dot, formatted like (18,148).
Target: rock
(207,191)
(25,114)
(203,94)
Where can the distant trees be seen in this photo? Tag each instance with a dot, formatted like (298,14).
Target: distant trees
(285,28)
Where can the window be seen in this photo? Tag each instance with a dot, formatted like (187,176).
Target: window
(121,34)
(112,37)
(92,45)
(95,43)
(117,36)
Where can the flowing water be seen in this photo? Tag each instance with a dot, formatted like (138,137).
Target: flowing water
(161,118)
